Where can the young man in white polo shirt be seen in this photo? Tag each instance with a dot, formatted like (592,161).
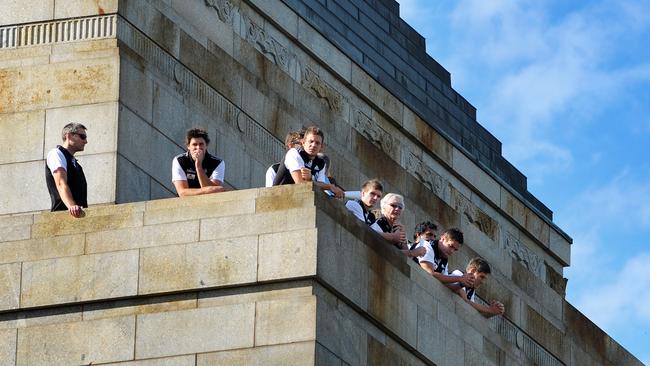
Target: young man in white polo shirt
(434,261)
(480,269)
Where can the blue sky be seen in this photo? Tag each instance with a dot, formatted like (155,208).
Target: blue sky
(565,86)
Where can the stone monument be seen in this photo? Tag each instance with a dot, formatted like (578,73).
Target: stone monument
(276,275)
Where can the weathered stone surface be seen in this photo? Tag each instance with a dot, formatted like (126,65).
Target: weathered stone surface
(17,11)
(36,249)
(80,278)
(266,292)
(9,286)
(136,90)
(19,130)
(142,237)
(206,22)
(40,317)
(212,201)
(20,178)
(8,347)
(15,232)
(149,305)
(188,360)
(79,8)
(324,50)
(87,49)
(99,119)
(513,207)
(61,223)
(196,265)
(132,184)
(476,176)
(301,353)
(195,331)
(262,223)
(285,320)
(58,85)
(79,343)
(560,247)
(201,210)
(287,254)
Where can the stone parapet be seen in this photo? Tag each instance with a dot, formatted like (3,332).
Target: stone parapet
(284,274)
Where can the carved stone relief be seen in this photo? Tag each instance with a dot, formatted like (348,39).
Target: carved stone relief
(425,174)
(313,82)
(474,215)
(527,257)
(375,133)
(225,9)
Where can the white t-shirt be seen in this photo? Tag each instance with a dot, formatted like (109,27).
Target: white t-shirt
(179,174)
(459,273)
(429,256)
(293,161)
(270,176)
(56,160)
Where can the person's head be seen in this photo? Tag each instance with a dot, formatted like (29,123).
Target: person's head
(450,241)
(74,137)
(196,139)
(293,139)
(371,192)
(312,141)
(391,207)
(425,230)
(480,268)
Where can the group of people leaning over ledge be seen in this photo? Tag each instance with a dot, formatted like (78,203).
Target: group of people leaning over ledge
(196,172)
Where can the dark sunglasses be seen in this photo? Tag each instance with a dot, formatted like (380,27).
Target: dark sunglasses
(396,205)
(81,135)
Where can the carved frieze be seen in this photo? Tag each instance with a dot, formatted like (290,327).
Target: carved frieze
(474,215)
(527,257)
(225,9)
(425,174)
(375,133)
(313,82)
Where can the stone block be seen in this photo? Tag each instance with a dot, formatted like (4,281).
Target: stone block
(431,337)
(513,207)
(79,343)
(324,50)
(272,291)
(40,317)
(37,249)
(270,203)
(148,305)
(287,254)
(61,223)
(80,8)
(89,49)
(156,25)
(15,232)
(262,223)
(294,354)
(138,141)
(22,136)
(132,183)
(205,21)
(199,211)
(188,360)
(197,265)
(195,331)
(325,357)
(285,320)
(560,247)
(169,113)
(376,93)
(57,85)
(80,278)
(280,14)
(21,194)
(136,90)
(142,237)
(100,120)
(26,56)
(8,347)
(202,200)
(9,286)
(100,176)
(17,11)
(476,176)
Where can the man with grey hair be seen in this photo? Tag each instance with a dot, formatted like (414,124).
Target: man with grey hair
(64,176)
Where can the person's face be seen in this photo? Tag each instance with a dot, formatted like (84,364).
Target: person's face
(428,235)
(370,197)
(312,144)
(77,140)
(393,209)
(479,277)
(196,144)
(448,246)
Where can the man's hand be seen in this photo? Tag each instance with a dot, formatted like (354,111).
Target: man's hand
(338,192)
(467,280)
(305,174)
(198,156)
(76,211)
(497,308)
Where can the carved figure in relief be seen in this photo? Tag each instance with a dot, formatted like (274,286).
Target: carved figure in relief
(373,132)
(524,255)
(196,171)
(64,176)
(479,268)
(224,8)
(437,254)
(322,90)
(302,164)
